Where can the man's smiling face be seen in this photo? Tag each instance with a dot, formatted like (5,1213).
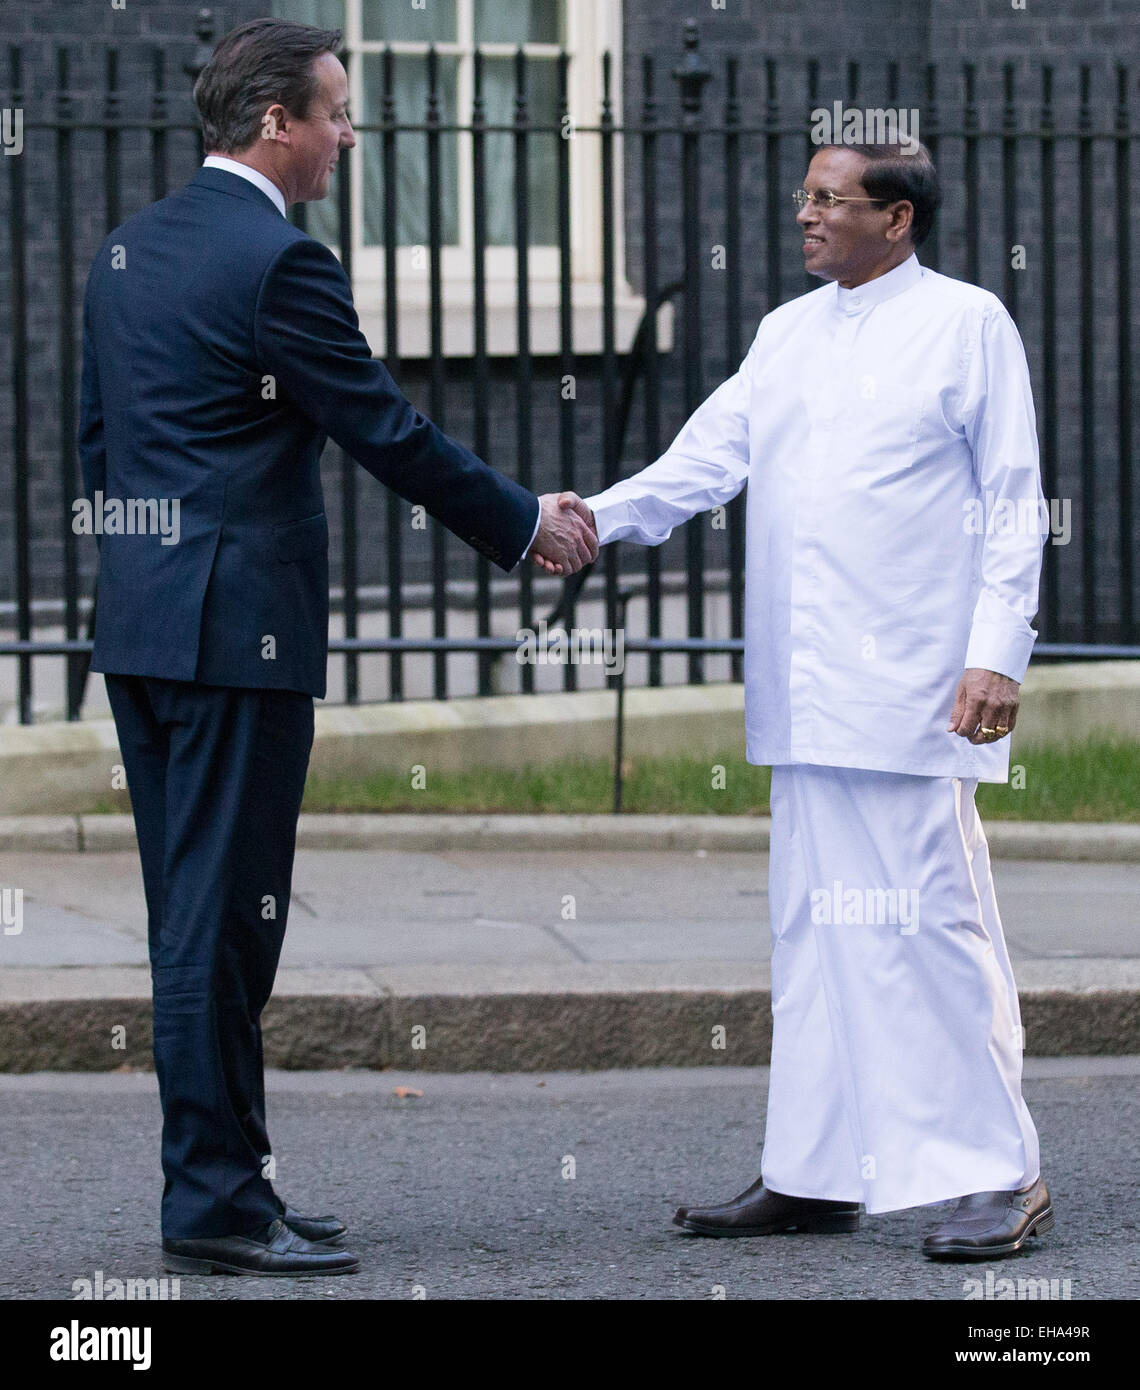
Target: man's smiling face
(849,242)
(299,154)
(315,142)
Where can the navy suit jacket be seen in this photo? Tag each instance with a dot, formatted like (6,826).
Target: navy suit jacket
(220,350)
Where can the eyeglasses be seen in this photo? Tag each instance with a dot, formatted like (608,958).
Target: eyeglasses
(824,198)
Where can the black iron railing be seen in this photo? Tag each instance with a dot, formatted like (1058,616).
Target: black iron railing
(1020,167)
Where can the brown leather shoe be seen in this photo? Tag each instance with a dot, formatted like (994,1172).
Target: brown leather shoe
(760,1212)
(986,1224)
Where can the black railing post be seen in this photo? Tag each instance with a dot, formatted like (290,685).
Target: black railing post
(1009,185)
(349,471)
(930,132)
(970,157)
(68,456)
(1086,273)
(773,221)
(691,75)
(1050,627)
(158,115)
(207,37)
(394,529)
(18,230)
(621,609)
(481,376)
(568,385)
(651,275)
(809,281)
(1123,185)
(733,292)
(524,379)
(437,389)
(610,440)
(68,460)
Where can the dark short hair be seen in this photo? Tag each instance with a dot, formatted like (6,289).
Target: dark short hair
(894,171)
(256,65)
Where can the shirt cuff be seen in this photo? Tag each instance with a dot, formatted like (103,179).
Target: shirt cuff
(1000,640)
(533,534)
(608,516)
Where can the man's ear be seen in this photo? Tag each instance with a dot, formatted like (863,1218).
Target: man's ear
(902,216)
(273,124)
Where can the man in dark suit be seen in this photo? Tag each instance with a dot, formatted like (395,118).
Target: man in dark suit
(220,349)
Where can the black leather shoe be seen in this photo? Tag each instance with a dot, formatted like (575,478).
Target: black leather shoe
(320,1230)
(759,1212)
(986,1224)
(275,1251)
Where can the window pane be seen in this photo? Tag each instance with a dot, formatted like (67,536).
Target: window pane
(410,92)
(517,21)
(325,14)
(392,21)
(542,150)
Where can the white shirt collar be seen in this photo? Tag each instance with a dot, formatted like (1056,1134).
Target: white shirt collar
(877,291)
(243,171)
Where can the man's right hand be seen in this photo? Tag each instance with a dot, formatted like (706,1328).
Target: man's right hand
(567,538)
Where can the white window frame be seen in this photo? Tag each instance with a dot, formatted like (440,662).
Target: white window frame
(592,28)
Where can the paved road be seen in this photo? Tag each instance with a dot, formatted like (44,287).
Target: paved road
(462,1192)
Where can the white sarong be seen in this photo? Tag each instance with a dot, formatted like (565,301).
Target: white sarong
(897,1044)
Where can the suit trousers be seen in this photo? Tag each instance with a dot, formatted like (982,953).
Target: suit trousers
(896,1041)
(215,775)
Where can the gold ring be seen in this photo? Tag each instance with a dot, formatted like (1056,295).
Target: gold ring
(987,733)
(1001,730)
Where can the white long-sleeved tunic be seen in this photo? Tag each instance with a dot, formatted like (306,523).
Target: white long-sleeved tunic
(894,519)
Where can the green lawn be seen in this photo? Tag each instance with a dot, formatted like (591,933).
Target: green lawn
(1093,781)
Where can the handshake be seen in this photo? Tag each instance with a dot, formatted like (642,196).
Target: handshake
(567,538)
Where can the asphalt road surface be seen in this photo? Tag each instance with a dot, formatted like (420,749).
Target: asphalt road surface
(529,1186)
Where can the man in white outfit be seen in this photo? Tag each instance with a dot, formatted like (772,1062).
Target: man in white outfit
(885,426)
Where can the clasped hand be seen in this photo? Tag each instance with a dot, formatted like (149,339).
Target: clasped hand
(567,538)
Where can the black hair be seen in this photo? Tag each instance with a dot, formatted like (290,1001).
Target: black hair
(258,64)
(894,171)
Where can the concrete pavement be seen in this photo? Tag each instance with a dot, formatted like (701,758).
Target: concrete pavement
(451,959)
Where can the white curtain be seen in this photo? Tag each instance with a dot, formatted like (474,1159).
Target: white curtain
(520,21)
(516,21)
(410,90)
